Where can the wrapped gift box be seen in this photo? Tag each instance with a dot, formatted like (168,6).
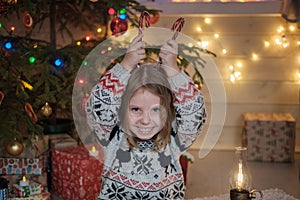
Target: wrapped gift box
(33,188)
(23,165)
(76,174)
(42,196)
(62,140)
(269,137)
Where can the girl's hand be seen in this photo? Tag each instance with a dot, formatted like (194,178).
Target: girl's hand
(135,53)
(168,54)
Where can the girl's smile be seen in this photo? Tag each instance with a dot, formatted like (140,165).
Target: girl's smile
(145,112)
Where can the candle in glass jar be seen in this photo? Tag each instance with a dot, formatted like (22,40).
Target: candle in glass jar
(93,152)
(24,182)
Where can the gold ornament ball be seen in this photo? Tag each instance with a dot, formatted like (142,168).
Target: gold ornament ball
(15,148)
(11,2)
(46,110)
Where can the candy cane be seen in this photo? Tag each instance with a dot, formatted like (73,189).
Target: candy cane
(177,26)
(144,15)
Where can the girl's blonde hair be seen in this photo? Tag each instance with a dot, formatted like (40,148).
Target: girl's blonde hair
(150,77)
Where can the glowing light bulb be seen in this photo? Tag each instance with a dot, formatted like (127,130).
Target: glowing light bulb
(31,59)
(8,45)
(207,20)
(78,43)
(216,35)
(266,43)
(198,28)
(292,28)
(254,56)
(88,38)
(123,11)
(99,30)
(81,81)
(123,16)
(224,51)
(205,44)
(280,29)
(58,62)
(111,11)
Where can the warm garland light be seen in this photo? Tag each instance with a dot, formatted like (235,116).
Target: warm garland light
(254,56)
(87,38)
(99,30)
(207,20)
(266,43)
(235,75)
(292,28)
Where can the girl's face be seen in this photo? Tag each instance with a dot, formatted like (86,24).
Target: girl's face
(145,114)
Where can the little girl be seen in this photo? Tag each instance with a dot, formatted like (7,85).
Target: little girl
(145,116)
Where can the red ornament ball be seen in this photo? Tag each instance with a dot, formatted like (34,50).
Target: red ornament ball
(118,26)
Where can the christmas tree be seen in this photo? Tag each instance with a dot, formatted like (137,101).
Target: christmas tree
(38,65)
(37,73)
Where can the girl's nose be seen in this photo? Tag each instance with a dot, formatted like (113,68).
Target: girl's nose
(146,118)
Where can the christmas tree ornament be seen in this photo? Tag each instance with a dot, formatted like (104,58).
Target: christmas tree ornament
(154,18)
(46,110)
(117,26)
(27,20)
(1,97)
(30,112)
(15,148)
(11,2)
(3,8)
(26,85)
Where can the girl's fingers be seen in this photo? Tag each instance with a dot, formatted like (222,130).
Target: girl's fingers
(137,38)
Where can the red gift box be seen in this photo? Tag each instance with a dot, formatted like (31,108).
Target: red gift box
(76,174)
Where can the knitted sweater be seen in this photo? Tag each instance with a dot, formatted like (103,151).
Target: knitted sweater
(141,173)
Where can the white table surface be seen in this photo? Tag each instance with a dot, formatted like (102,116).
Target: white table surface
(269,194)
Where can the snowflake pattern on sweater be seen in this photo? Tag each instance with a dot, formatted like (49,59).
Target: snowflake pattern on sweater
(141,173)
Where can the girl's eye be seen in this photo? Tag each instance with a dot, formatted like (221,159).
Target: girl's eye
(135,110)
(156,109)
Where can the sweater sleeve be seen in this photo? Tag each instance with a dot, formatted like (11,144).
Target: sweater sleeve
(104,102)
(190,111)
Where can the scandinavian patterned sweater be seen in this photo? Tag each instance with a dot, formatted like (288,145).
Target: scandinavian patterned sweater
(140,173)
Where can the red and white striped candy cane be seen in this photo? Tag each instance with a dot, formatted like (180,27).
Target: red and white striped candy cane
(177,26)
(144,15)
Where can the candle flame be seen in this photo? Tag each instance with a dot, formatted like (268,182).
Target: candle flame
(24,179)
(93,149)
(240,178)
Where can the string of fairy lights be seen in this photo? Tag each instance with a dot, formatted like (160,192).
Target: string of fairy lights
(283,38)
(280,39)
